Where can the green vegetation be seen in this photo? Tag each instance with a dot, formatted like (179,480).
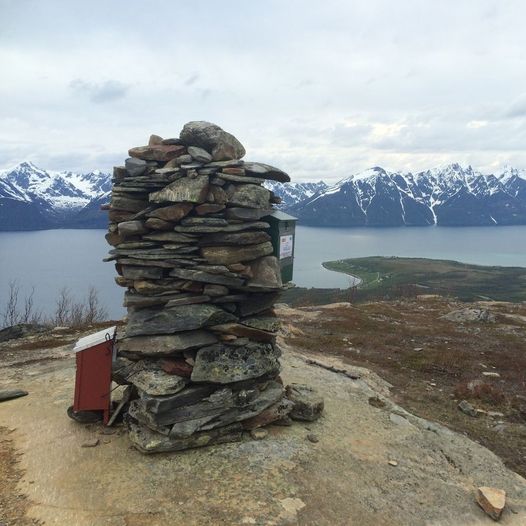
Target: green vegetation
(391,277)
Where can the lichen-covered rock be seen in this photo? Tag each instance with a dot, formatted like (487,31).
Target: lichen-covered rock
(308,405)
(225,364)
(185,190)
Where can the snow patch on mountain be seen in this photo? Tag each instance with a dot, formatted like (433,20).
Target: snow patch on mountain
(60,191)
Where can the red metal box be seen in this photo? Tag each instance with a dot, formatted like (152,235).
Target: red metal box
(94,355)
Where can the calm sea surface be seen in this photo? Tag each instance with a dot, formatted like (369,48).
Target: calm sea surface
(52,259)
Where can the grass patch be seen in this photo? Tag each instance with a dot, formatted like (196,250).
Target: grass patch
(392,277)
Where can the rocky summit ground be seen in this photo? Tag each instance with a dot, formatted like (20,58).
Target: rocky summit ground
(388,371)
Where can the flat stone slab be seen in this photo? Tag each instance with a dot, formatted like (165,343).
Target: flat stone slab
(176,319)
(226,255)
(167,344)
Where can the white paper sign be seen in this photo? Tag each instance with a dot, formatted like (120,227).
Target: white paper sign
(285,247)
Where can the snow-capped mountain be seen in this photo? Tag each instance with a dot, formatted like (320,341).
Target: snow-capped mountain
(450,195)
(32,198)
(292,193)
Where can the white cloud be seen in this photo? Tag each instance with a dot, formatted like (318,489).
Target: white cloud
(319,90)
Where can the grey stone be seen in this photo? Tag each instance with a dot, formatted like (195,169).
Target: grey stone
(248,196)
(165,345)
(177,319)
(221,408)
(172,237)
(470,314)
(187,189)
(311,437)
(132,228)
(221,144)
(205,221)
(187,299)
(174,140)
(130,272)
(226,255)
(308,405)
(215,290)
(240,238)
(135,167)
(246,214)
(199,154)
(119,202)
(148,441)
(259,434)
(238,179)
(467,408)
(226,364)
(11,394)
(149,378)
(265,171)
(257,303)
(21,330)
(264,323)
(207,277)
(266,272)
(261,225)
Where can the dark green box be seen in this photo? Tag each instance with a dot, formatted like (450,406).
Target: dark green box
(283,233)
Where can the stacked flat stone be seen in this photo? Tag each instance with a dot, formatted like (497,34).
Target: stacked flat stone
(192,248)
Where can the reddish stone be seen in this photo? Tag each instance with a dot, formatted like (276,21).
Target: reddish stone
(157,152)
(274,413)
(177,366)
(231,170)
(208,208)
(158,224)
(172,213)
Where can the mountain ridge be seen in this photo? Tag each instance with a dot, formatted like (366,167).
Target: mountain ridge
(451,195)
(32,198)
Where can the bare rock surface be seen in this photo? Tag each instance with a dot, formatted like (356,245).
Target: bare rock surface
(344,479)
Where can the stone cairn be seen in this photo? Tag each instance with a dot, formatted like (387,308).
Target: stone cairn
(192,249)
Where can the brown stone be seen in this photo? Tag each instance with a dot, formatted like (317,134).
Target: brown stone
(208,208)
(492,501)
(155,140)
(177,366)
(113,238)
(157,152)
(172,213)
(158,224)
(242,331)
(274,413)
(118,216)
(217,195)
(232,170)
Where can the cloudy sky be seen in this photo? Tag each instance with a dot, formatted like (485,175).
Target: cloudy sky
(320,89)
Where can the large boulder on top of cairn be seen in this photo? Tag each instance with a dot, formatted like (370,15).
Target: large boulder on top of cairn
(192,248)
(221,145)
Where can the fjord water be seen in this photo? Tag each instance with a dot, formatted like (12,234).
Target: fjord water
(52,259)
